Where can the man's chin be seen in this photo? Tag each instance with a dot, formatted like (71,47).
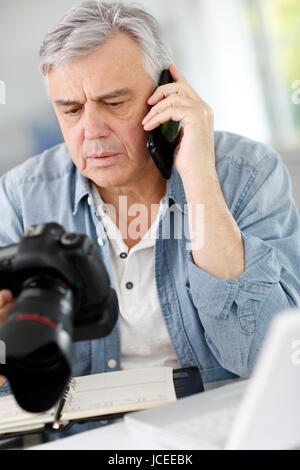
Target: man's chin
(106,178)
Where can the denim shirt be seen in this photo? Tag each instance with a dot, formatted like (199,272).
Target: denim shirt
(217,325)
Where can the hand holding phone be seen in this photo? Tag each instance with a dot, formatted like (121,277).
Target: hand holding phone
(163,140)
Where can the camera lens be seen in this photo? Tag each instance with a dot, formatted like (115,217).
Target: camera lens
(38,335)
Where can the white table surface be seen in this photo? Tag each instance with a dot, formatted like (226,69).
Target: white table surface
(111,437)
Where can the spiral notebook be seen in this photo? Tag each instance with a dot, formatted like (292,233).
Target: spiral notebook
(92,396)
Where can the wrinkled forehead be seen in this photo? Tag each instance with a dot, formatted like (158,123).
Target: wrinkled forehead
(117,63)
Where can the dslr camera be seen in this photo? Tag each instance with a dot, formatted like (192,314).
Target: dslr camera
(63,294)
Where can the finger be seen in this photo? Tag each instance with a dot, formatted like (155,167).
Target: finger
(176,74)
(6,296)
(164,91)
(179,77)
(2,380)
(170,101)
(4,311)
(179,114)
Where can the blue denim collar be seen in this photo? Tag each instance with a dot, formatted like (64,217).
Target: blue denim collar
(175,191)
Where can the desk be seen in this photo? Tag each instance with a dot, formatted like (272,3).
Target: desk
(111,437)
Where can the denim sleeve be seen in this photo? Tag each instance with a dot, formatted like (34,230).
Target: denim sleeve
(5,389)
(11,225)
(236,313)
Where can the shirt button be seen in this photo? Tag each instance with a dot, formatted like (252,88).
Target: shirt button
(112,363)
(100,241)
(129,285)
(123,255)
(89,201)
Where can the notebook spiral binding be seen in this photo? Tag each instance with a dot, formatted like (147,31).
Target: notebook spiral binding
(67,396)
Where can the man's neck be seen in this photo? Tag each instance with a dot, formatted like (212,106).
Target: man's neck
(145,192)
(146,198)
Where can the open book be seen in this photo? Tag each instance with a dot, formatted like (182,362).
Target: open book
(91,396)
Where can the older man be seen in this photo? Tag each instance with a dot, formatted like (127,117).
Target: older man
(207,303)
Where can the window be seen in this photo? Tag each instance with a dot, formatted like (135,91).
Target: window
(275,26)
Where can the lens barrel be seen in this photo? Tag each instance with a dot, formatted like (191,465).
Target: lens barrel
(38,339)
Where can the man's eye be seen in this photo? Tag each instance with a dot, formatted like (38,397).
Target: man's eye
(114,105)
(73,111)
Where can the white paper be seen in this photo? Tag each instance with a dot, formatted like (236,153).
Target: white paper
(119,391)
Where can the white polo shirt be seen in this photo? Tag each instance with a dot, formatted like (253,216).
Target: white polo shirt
(145,341)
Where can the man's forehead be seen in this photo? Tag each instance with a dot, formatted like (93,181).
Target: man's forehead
(119,53)
(99,75)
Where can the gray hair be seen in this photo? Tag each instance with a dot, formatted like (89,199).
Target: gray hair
(88,26)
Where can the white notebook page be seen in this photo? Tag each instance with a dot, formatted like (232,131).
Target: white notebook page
(12,414)
(125,390)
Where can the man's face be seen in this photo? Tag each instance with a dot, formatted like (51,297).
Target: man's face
(100,101)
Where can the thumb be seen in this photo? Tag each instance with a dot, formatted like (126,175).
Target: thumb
(6,297)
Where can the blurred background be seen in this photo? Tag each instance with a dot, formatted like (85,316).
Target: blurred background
(241,56)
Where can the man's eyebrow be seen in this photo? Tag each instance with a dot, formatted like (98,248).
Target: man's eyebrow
(67,102)
(112,94)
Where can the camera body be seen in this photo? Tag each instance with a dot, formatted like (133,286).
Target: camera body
(63,294)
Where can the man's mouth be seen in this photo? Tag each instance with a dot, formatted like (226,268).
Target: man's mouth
(102,160)
(102,155)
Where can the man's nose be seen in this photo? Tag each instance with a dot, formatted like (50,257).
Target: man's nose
(95,125)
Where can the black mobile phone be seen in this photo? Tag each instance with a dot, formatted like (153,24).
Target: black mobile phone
(163,140)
